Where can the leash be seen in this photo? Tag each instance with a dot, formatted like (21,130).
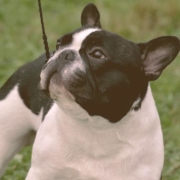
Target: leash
(44,37)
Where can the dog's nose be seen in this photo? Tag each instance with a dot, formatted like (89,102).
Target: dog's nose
(67,55)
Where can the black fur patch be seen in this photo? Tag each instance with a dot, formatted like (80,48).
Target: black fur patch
(27,78)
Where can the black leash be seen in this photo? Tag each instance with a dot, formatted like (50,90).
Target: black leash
(43,31)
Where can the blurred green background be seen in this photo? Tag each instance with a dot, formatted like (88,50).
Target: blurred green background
(137,20)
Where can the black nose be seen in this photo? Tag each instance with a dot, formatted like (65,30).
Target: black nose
(67,55)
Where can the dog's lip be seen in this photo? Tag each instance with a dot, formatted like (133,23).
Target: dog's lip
(82,99)
(45,82)
(47,72)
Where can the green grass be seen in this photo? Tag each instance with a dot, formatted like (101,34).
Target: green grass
(137,20)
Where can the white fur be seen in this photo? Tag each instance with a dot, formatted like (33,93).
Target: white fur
(135,104)
(92,148)
(79,37)
(16,125)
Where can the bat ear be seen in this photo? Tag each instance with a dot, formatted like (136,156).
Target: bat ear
(90,16)
(157,54)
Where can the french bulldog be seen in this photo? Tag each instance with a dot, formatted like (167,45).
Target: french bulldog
(91,106)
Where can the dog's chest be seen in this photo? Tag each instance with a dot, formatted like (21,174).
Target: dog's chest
(97,149)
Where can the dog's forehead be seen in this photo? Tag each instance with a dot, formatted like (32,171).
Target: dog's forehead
(75,40)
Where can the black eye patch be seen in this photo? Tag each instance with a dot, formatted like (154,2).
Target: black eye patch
(64,41)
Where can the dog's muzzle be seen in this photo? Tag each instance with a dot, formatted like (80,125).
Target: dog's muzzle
(72,72)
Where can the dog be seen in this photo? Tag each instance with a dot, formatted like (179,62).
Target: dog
(91,106)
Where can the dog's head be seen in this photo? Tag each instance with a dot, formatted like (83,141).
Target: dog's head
(103,72)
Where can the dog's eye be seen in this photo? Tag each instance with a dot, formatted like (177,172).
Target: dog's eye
(97,54)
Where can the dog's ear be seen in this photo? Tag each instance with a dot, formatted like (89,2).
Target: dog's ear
(90,16)
(157,54)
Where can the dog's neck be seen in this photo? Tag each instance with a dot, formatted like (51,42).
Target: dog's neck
(131,128)
(136,140)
